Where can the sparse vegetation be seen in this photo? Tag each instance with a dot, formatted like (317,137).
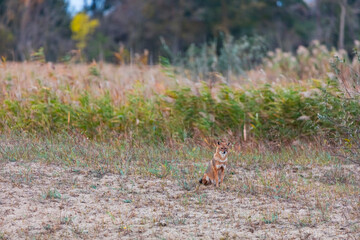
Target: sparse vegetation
(294,181)
(51,194)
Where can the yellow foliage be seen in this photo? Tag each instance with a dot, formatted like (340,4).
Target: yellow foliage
(81,27)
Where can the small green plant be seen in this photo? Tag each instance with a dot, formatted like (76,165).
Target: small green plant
(94,71)
(304,222)
(67,220)
(166,67)
(200,198)
(184,178)
(51,194)
(323,208)
(49,228)
(160,170)
(111,216)
(38,55)
(249,186)
(177,221)
(270,218)
(186,184)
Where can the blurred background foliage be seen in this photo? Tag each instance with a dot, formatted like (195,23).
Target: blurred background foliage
(184,25)
(273,70)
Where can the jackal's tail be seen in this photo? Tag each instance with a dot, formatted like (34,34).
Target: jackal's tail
(205,180)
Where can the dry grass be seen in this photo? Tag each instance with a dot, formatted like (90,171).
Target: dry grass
(82,204)
(279,68)
(72,187)
(18,80)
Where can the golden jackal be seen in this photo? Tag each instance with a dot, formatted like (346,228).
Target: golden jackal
(216,169)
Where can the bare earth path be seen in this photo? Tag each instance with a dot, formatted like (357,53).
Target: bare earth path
(40,201)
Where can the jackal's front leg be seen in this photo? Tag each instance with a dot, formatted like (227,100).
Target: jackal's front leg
(217,179)
(221,173)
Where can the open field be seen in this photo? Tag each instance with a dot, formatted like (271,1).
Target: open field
(104,151)
(111,112)
(72,187)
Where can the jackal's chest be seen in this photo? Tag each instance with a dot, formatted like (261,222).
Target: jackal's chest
(219,163)
(219,166)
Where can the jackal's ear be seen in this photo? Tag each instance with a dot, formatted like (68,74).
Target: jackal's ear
(229,144)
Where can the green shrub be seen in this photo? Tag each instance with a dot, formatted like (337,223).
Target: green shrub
(268,113)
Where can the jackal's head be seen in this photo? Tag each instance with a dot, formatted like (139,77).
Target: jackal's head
(222,148)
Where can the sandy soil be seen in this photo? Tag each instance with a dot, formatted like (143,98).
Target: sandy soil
(40,201)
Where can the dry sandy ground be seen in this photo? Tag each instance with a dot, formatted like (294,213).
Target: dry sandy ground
(50,202)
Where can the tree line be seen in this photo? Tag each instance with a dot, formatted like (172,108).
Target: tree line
(107,27)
